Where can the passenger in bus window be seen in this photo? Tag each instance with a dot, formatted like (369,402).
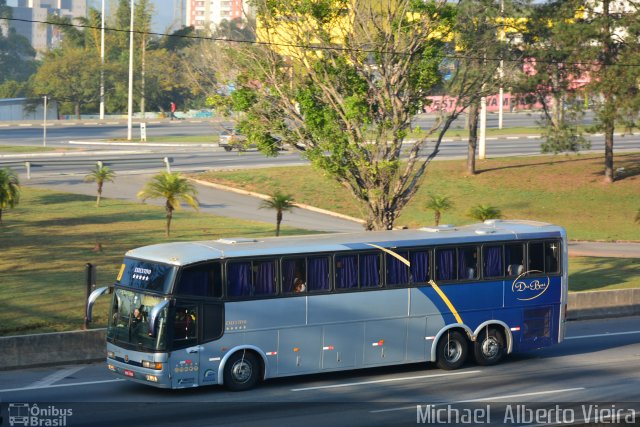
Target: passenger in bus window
(299,286)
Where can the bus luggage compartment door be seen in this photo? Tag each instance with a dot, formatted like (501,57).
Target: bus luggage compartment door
(299,350)
(384,341)
(340,345)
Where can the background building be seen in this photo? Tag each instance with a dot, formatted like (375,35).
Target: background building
(42,36)
(208,14)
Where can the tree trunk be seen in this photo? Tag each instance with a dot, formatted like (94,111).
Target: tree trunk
(609,176)
(169,216)
(142,77)
(99,194)
(77,108)
(0,216)
(278,221)
(437,218)
(474,111)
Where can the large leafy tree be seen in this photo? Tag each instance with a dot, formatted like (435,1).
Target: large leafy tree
(551,74)
(341,80)
(174,189)
(9,190)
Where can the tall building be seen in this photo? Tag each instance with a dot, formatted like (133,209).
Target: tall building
(33,12)
(208,14)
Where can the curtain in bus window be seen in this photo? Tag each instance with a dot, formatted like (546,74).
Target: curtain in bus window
(346,272)
(318,274)
(419,266)
(288,274)
(369,271)
(467,263)
(493,261)
(397,271)
(446,260)
(265,282)
(239,279)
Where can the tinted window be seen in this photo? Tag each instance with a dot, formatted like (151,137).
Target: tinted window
(397,270)
(369,266)
(492,265)
(346,271)
(467,263)
(249,278)
(420,266)
(544,257)
(446,264)
(204,280)
(294,275)
(318,274)
(514,259)
(185,326)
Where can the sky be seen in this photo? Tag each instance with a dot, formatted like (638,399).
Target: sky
(163,11)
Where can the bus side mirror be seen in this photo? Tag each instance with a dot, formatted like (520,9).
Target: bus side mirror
(92,299)
(154,315)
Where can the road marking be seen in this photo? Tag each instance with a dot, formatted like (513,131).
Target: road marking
(608,334)
(485,399)
(385,381)
(55,377)
(7,390)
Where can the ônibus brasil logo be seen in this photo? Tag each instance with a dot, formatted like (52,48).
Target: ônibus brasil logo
(25,414)
(526,290)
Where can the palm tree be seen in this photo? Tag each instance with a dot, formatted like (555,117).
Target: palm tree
(281,203)
(438,204)
(9,190)
(99,175)
(484,212)
(174,189)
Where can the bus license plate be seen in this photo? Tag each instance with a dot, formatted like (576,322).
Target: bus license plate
(128,373)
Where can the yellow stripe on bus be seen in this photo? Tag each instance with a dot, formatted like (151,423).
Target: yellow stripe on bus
(120,273)
(446,300)
(393,254)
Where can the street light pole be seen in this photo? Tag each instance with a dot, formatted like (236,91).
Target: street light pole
(102,64)
(130,103)
(44,124)
(501,71)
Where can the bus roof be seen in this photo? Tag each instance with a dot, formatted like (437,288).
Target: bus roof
(183,253)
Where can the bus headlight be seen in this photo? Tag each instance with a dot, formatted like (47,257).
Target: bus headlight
(152,365)
(111,355)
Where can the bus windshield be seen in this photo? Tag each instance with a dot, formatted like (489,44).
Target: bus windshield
(129,321)
(145,275)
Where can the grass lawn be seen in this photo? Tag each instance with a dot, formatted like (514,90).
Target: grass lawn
(566,189)
(49,237)
(25,149)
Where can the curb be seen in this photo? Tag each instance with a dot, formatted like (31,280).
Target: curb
(265,197)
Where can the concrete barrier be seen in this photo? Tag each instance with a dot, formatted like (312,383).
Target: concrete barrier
(597,304)
(25,351)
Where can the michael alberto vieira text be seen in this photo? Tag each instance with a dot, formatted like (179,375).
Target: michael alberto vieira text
(521,414)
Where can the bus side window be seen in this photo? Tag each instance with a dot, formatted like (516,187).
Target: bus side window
(536,258)
(294,273)
(369,270)
(204,280)
(492,265)
(239,279)
(264,277)
(397,271)
(419,266)
(346,267)
(446,264)
(318,274)
(468,263)
(544,257)
(514,259)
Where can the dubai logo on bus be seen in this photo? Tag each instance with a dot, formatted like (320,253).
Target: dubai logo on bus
(527,290)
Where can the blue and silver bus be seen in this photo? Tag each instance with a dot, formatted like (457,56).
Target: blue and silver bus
(238,311)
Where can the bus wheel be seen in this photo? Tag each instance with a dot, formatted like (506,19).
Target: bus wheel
(242,371)
(227,148)
(451,351)
(489,347)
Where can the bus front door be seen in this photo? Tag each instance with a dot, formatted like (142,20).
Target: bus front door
(185,358)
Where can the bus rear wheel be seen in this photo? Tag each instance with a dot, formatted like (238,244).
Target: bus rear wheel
(489,347)
(242,371)
(451,352)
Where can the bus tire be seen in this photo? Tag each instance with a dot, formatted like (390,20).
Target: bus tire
(242,371)
(489,347)
(451,352)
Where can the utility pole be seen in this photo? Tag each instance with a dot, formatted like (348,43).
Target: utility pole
(102,64)
(130,102)
(44,123)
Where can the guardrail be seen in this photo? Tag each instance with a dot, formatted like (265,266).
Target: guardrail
(27,166)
